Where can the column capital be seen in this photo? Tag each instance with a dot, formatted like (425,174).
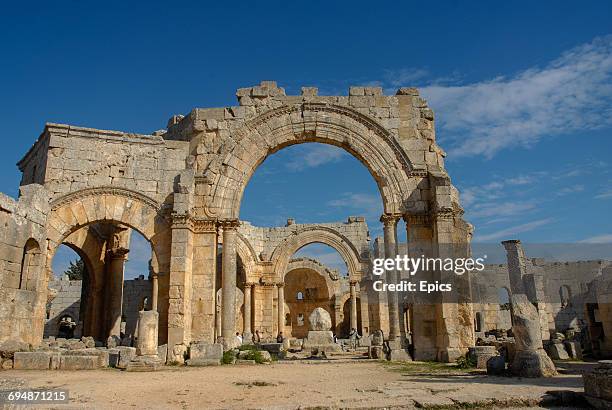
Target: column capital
(390,219)
(201,225)
(118,253)
(353,282)
(229,224)
(249,284)
(280,284)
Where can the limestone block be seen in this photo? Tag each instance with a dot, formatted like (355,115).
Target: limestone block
(126,354)
(79,362)
(7,364)
(557,351)
(573,349)
(9,347)
(103,355)
(177,354)
(201,362)
(206,351)
(598,385)
(32,360)
(320,320)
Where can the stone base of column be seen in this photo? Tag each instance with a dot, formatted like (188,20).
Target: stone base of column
(396,352)
(247,338)
(144,364)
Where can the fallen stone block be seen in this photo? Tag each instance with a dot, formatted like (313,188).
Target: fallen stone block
(573,349)
(102,355)
(557,351)
(71,362)
(32,360)
(201,350)
(126,354)
(200,362)
(598,385)
(9,347)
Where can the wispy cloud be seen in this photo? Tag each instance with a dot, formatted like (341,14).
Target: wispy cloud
(605,194)
(369,205)
(573,92)
(315,155)
(501,209)
(607,238)
(506,233)
(570,190)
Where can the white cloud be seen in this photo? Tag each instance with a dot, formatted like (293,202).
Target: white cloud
(598,239)
(573,92)
(501,209)
(604,194)
(314,155)
(506,233)
(369,205)
(570,190)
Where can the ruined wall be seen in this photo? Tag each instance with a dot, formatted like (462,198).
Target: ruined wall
(23,250)
(551,277)
(67,301)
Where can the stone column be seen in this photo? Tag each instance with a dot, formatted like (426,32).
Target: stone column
(281,306)
(228,293)
(247,333)
(116,261)
(353,305)
(146,345)
(390,233)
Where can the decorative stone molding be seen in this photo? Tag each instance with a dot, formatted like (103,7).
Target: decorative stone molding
(114,191)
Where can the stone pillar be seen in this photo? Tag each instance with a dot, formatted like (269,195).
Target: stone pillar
(228,293)
(146,345)
(281,307)
(247,332)
(147,358)
(516,265)
(116,261)
(181,254)
(390,233)
(353,321)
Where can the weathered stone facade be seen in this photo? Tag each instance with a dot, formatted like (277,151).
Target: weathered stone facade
(181,188)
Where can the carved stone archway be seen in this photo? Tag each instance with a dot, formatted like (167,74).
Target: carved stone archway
(365,139)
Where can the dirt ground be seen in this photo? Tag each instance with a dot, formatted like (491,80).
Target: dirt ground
(290,386)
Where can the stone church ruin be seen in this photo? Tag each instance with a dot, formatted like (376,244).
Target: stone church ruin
(213,275)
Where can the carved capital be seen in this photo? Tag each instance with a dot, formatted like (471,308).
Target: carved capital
(201,225)
(390,219)
(229,224)
(181,221)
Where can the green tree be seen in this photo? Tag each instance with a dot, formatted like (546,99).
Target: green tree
(76,270)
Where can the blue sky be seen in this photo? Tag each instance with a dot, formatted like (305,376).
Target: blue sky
(521,90)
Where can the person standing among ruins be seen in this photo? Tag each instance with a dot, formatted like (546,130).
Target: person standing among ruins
(280,338)
(238,339)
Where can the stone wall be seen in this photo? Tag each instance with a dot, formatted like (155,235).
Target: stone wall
(67,302)
(23,252)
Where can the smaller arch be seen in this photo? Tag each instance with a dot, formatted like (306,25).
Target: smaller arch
(30,263)
(282,254)
(299,296)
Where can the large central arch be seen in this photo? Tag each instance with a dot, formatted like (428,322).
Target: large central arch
(376,148)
